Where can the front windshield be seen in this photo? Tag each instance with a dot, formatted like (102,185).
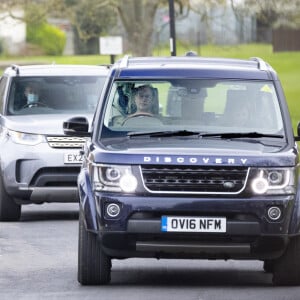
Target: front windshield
(205,106)
(54,94)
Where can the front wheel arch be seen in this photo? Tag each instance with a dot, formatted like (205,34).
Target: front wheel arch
(87,200)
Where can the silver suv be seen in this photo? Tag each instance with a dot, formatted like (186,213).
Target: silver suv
(39,163)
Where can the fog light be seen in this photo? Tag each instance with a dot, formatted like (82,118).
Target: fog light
(113,210)
(274,213)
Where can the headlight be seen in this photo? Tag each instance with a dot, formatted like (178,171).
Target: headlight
(114,178)
(25,138)
(273,181)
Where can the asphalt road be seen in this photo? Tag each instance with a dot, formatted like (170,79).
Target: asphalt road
(38,260)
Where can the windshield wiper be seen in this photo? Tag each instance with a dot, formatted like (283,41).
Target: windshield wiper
(233,135)
(222,135)
(164,133)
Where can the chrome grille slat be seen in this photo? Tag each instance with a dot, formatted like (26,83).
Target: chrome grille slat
(195,179)
(65,141)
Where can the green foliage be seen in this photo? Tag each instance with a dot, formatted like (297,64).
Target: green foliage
(90,19)
(50,38)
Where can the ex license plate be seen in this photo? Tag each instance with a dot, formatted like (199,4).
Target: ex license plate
(73,158)
(193,224)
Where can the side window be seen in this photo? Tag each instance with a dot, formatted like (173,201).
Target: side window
(3,82)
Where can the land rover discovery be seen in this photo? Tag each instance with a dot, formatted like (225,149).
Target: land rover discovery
(209,170)
(39,163)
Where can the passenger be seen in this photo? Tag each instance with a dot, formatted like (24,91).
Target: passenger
(239,116)
(238,109)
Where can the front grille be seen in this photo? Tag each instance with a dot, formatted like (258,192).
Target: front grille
(194,179)
(65,141)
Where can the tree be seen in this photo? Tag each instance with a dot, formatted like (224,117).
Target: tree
(204,9)
(42,8)
(90,19)
(271,12)
(137,17)
(41,37)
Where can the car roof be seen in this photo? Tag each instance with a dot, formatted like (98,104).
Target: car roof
(57,70)
(193,67)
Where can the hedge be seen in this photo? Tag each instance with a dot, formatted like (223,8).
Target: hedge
(49,38)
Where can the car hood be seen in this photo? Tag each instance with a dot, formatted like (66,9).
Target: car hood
(195,145)
(197,152)
(40,124)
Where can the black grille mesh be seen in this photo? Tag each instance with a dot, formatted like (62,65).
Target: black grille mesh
(196,179)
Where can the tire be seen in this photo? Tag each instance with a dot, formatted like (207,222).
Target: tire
(287,267)
(268,266)
(9,210)
(94,266)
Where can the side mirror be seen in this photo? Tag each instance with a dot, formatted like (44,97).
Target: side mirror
(297,138)
(77,126)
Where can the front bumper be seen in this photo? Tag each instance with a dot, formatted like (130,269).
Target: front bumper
(37,174)
(136,232)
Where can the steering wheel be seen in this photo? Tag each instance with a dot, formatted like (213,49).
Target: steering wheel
(141,114)
(35,104)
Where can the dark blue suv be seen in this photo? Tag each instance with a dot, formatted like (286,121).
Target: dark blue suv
(189,157)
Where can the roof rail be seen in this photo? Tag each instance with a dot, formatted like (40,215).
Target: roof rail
(16,68)
(191,53)
(124,62)
(262,65)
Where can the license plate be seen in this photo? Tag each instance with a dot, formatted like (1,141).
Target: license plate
(193,224)
(73,158)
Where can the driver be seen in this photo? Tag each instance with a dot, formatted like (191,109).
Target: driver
(144,104)
(31,93)
(143,97)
